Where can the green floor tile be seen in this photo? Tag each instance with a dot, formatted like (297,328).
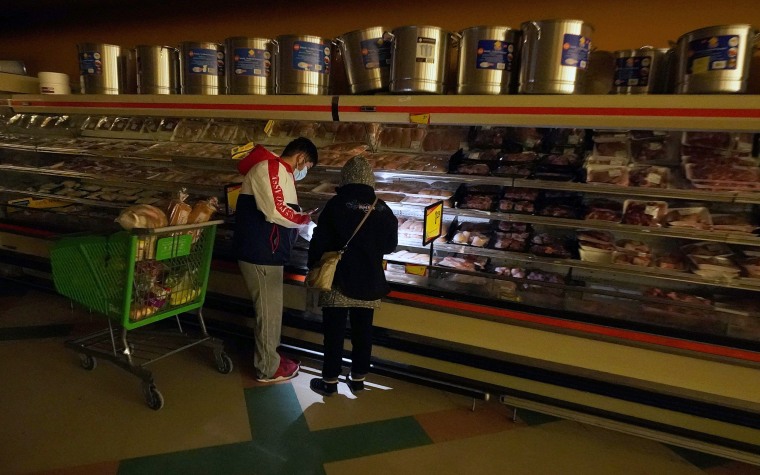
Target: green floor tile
(535,418)
(371,438)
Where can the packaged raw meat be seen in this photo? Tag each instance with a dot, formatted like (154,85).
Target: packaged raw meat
(649,176)
(473,169)
(479,202)
(707,249)
(513,227)
(719,140)
(550,246)
(489,155)
(630,259)
(523,170)
(751,266)
(610,161)
(733,222)
(519,157)
(514,272)
(559,211)
(561,161)
(671,262)
(629,246)
(604,210)
(644,213)
(604,238)
(696,217)
(510,241)
(714,267)
(612,149)
(516,206)
(525,194)
(608,174)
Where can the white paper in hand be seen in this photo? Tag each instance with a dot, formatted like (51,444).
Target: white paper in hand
(307,231)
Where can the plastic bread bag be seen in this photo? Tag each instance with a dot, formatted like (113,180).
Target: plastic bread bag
(179,211)
(142,216)
(203,211)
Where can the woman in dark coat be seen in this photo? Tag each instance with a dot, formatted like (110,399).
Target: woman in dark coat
(359,281)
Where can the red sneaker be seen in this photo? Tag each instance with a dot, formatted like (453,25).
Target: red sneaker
(288,369)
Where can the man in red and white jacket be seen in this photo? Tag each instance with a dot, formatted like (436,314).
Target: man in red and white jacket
(267,223)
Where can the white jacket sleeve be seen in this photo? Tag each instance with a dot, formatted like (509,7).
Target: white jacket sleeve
(270,198)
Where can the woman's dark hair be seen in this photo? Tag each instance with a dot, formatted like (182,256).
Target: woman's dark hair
(304,145)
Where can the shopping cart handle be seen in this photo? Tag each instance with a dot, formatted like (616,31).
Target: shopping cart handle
(181,227)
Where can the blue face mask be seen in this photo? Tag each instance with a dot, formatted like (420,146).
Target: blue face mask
(300,174)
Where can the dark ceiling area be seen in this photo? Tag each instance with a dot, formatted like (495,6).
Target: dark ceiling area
(30,15)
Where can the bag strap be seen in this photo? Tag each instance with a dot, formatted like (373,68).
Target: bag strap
(366,215)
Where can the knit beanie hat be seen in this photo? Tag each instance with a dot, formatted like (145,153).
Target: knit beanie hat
(357,170)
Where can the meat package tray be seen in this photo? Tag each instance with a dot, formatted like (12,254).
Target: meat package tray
(723,178)
(477,197)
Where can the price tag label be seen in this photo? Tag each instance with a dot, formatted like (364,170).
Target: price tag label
(232,192)
(173,246)
(269,128)
(423,119)
(415,269)
(433,223)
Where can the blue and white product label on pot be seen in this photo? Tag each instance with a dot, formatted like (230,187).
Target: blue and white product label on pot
(90,62)
(575,51)
(202,61)
(495,54)
(309,56)
(376,53)
(252,62)
(713,54)
(633,71)
(425,50)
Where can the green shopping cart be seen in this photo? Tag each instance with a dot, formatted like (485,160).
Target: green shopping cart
(136,279)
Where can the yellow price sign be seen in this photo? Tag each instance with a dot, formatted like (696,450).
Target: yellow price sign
(269,128)
(415,269)
(433,223)
(232,192)
(423,119)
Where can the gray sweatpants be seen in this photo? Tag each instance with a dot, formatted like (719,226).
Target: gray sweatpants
(265,286)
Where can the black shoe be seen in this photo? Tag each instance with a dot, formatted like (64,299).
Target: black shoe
(355,386)
(319,386)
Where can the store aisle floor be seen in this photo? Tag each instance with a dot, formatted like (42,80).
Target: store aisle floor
(58,418)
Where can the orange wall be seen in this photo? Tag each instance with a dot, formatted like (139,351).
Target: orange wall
(619,25)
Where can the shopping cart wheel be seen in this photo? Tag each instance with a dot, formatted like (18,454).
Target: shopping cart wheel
(153,396)
(223,363)
(88,362)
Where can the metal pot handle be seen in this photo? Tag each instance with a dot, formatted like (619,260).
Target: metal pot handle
(276,58)
(456,38)
(537,27)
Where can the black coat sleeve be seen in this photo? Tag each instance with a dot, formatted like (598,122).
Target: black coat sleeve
(325,235)
(390,225)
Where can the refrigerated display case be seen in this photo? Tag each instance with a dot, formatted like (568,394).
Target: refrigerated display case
(583,235)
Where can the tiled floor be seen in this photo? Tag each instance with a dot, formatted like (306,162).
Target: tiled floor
(57,418)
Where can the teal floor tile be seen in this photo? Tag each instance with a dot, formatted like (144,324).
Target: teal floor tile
(535,418)
(371,438)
